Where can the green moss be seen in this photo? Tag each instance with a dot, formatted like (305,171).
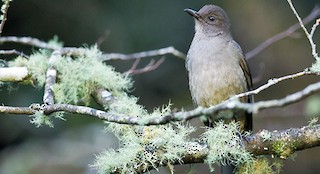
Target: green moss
(225,145)
(283,149)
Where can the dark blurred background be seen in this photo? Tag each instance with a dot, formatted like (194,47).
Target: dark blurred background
(134,26)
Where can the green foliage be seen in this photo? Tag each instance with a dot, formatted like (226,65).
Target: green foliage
(225,145)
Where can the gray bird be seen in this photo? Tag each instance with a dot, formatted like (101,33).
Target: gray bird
(216,65)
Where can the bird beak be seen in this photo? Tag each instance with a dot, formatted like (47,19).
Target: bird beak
(193,13)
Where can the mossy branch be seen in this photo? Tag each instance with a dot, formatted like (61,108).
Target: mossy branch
(281,143)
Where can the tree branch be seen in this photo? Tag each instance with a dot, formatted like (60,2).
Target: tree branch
(158,52)
(29,41)
(8,52)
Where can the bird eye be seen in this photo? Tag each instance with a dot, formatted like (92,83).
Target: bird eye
(211,18)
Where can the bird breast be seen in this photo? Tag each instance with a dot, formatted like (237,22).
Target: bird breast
(214,71)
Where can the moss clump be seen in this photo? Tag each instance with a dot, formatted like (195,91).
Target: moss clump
(39,119)
(80,76)
(142,147)
(283,149)
(225,145)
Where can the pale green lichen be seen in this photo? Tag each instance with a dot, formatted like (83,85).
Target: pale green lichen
(39,119)
(313,121)
(79,77)
(265,135)
(142,147)
(37,65)
(225,145)
(55,42)
(152,145)
(315,66)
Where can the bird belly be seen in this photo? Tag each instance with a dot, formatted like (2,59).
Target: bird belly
(215,83)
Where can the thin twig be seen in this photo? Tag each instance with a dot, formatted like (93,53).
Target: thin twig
(274,81)
(8,52)
(314,13)
(152,65)
(4,10)
(158,52)
(309,36)
(103,37)
(29,41)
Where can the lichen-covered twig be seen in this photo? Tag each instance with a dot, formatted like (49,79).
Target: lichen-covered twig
(283,143)
(4,10)
(51,76)
(314,13)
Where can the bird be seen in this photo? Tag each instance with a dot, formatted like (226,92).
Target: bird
(217,68)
